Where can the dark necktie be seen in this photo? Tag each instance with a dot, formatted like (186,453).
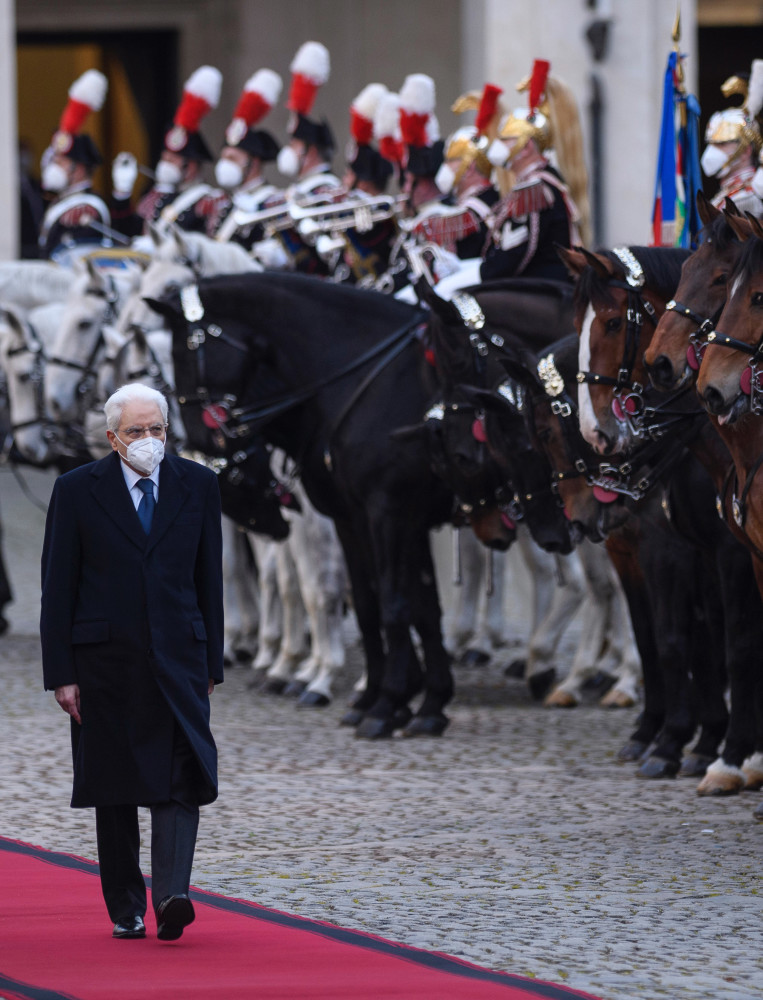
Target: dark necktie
(147,504)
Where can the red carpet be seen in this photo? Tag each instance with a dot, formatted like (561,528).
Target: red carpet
(55,943)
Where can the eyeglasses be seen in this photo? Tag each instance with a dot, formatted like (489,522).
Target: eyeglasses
(155,430)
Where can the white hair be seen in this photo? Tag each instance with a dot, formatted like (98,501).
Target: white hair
(130,393)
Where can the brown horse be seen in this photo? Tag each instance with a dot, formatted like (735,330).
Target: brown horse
(618,376)
(731,386)
(675,352)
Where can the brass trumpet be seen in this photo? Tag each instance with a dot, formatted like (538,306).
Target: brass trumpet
(353,213)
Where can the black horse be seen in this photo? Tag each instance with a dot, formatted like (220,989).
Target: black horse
(327,373)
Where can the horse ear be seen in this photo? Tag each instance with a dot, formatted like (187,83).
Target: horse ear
(95,275)
(593,260)
(740,226)
(573,260)
(445,310)
(155,233)
(706,209)
(755,225)
(180,241)
(112,338)
(13,319)
(730,208)
(522,374)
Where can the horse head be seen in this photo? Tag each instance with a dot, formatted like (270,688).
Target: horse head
(618,297)
(675,353)
(730,383)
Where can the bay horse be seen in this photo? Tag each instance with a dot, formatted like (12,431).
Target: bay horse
(327,373)
(614,291)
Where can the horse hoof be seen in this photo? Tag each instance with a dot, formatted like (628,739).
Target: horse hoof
(243,655)
(474,658)
(426,725)
(517,669)
(600,683)
(541,683)
(353,717)
(617,699)
(256,681)
(560,699)
(313,699)
(724,783)
(274,685)
(632,751)
(374,729)
(657,768)
(294,689)
(694,765)
(753,780)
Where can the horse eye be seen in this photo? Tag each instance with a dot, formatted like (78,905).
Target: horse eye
(614,324)
(721,279)
(757,298)
(84,324)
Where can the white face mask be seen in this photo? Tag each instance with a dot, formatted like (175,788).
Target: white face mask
(145,454)
(757,182)
(54,177)
(445,178)
(498,153)
(713,160)
(168,173)
(288,162)
(228,174)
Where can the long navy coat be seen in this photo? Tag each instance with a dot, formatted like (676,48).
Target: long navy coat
(137,622)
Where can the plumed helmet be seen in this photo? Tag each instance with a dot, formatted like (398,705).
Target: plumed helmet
(310,69)
(366,162)
(531,122)
(740,124)
(86,94)
(260,94)
(419,128)
(201,94)
(469,144)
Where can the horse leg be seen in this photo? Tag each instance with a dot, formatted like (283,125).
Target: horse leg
(464,616)
(626,662)
(322,579)
(6,594)
(271,612)
(293,646)
(240,594)
(545,640)
(743,633)
(624,551)
(365,598)
(541,568)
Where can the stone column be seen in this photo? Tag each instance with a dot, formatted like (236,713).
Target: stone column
(9,199)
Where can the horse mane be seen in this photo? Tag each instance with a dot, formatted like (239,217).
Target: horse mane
(213,257)
(750,260)
(39,279)
(661,266)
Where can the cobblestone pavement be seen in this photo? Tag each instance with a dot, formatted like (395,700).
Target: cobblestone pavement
(516,841)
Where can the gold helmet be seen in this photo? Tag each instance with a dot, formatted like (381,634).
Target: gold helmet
(469,144)
(739,124)
(532,122)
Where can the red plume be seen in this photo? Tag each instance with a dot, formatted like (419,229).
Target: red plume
(487,107)
(538,83)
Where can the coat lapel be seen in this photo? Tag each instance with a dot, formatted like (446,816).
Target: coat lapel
(110,490)
(173,493)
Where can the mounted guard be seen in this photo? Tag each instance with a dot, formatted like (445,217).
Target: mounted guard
(77,220)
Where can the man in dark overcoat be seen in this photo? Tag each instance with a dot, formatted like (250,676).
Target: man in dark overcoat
(132,645)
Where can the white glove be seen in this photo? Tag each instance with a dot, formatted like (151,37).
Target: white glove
(124,173)
(446,263)
(271,254)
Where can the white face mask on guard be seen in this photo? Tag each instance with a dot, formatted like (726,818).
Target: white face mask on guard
(445,178)
(288,162)
(498,153)
(54,178)
(228,174)
(145,454)
(168,173)
(713,161)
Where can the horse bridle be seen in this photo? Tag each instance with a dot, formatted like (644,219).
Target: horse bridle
(699,336)
(35,376)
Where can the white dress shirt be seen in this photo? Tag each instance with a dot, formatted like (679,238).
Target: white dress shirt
(132,477)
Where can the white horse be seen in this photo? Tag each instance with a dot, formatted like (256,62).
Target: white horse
(25,339)
(94,301)
(26,284)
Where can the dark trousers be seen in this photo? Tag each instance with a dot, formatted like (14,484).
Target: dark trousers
(174,825)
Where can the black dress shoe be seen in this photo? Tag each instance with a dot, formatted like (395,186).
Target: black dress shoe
(173,914)
(129,927)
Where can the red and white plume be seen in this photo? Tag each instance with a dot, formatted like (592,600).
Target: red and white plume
(86,94)
(259,96)
(417,104)
(201,94)
(363,111)
(488,107)
(310,69)
(387,128)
